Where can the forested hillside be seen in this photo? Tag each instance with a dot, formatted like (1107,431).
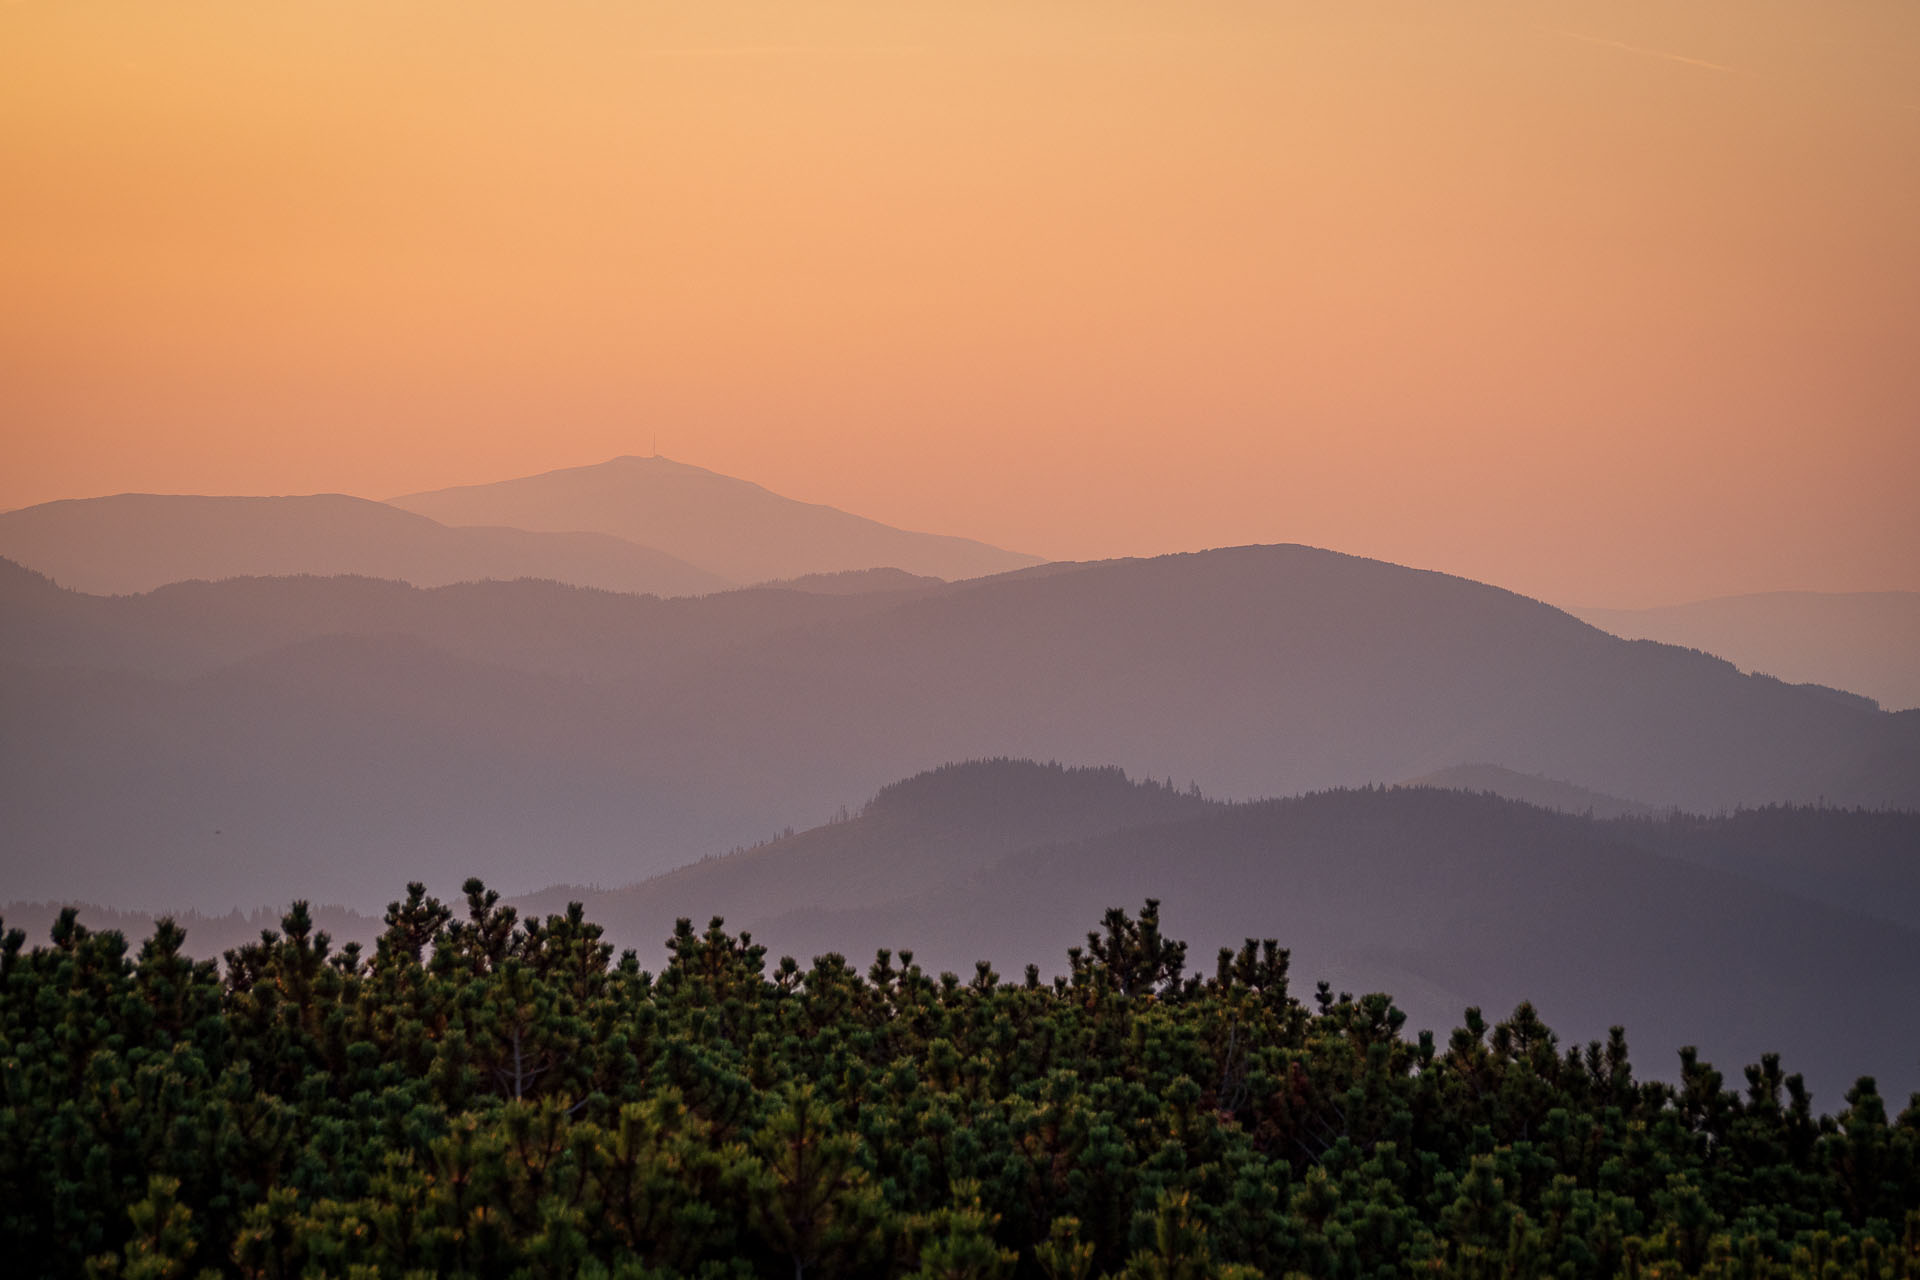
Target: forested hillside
(1531,788)
(486,1096)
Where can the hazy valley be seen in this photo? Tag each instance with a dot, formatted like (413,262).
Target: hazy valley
(260,737)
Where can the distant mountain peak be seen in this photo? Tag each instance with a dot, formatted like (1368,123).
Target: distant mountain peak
(738,529)
(654,461)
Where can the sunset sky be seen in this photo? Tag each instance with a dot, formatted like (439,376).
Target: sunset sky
(1612,302)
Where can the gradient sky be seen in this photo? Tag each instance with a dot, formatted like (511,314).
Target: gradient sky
(1613,302)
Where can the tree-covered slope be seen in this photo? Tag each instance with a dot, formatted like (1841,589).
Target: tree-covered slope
(485,1096)
(1531,788)
(914,836)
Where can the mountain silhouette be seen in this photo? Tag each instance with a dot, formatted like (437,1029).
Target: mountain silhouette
(344,734)
(1867,642)
(733,527)
(196,627)
(135,542)
(848,582)
(1262,671)
(913,836)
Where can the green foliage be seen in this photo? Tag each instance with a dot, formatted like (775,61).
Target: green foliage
(493,1097)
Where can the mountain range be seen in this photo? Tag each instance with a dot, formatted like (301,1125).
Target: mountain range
(136,542)
(240,742)
(652,525)
(640,525)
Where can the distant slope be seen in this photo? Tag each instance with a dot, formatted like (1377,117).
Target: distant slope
(1865,642)
(194,628)
(328,737)
(948,825)
(135,542)
(1268,670)
(731,526)
(1861,860)
(849,582)
(913,836)
(1531,788)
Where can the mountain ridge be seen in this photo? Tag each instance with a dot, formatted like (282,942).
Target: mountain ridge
(532,733)
(1865,642)
(131,543)
(1531,788)
(734,527)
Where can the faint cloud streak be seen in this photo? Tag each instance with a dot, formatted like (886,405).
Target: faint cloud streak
(1642,50)
(783,51)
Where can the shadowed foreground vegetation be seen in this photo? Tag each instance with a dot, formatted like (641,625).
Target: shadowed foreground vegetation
(494,1097)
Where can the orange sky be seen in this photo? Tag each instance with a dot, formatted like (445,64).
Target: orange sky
(1613,302)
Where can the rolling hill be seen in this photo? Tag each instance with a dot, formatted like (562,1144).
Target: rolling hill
(1867,642)
(913,836)
(733,527)
(328,738)
(134,542)
(194,628)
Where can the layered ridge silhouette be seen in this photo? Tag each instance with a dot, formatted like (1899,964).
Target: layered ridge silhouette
(134,542)
(733,527)
(235,743)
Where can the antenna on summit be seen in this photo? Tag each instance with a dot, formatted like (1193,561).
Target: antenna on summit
(656,444)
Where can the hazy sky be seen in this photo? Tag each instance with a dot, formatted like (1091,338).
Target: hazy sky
(1614,302)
